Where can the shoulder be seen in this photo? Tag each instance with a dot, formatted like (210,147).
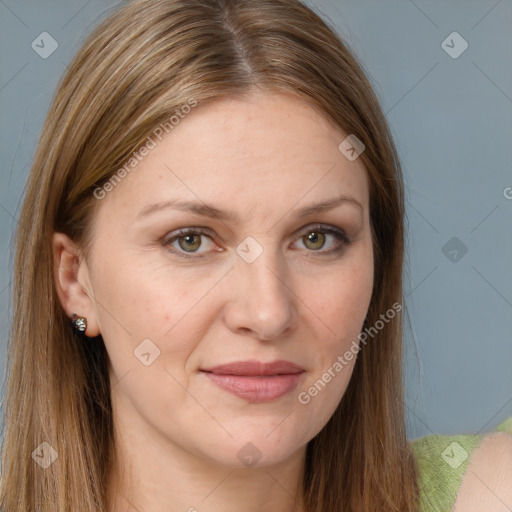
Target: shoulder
(442,461)
(487,483)
(448,463)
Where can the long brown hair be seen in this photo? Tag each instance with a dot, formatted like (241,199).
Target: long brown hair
(144,62)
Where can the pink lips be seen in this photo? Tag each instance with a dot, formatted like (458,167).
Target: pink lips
(256,381)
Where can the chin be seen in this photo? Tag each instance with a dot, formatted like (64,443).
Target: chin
(263,448)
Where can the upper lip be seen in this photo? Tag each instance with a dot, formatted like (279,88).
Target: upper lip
(254,368)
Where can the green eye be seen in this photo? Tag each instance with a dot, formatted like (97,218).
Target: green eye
(316,239)
(198,242)
(190,242)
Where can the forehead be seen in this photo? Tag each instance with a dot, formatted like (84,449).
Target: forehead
(265,151)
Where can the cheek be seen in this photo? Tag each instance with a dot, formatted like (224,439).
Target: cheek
(342,295)
(150,309)
(339,307)
(150,322)
(325,387)
(141,299)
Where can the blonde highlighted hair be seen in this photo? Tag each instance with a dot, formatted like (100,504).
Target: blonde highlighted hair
(143,62)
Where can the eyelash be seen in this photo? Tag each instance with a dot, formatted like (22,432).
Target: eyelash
(339,234)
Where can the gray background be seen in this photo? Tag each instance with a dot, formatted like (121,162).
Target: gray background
(451,118)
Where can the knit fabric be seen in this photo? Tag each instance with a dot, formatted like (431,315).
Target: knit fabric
(442,461)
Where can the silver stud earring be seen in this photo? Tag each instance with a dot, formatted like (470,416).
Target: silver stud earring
(79,322)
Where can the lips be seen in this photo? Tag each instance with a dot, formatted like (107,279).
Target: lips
(255,368)
(256,381)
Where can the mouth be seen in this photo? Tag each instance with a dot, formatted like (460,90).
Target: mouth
(256,381)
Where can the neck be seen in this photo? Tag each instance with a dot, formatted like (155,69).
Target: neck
(153,474)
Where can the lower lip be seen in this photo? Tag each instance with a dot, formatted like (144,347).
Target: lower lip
(257,388)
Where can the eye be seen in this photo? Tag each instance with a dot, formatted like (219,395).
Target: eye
(188,241)
(316,236)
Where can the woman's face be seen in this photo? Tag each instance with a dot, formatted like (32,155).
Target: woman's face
(257,279)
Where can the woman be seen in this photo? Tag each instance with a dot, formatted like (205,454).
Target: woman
(208,289)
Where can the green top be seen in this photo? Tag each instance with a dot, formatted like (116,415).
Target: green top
(442,461)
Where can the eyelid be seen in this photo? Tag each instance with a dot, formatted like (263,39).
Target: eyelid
(190,230)
(328,228)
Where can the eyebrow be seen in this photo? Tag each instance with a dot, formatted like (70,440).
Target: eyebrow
(207,210)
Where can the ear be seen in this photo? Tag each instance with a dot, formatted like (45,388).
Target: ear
(72,283)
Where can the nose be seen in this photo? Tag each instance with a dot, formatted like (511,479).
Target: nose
(263,303)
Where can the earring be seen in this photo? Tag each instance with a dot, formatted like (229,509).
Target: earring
(79,322)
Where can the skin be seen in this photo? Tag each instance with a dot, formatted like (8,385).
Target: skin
(177,433)
(487,483)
